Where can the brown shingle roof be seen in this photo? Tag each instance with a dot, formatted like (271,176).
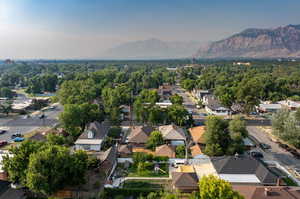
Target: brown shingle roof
(185,181)
(125,149)
(140,134)
(165,150)
(172,132)
(267,192)
(196,150)
(197,134)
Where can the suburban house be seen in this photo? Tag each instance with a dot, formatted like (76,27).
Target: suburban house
(267,192)
(173,134)
(268,108)
(93,136)
(185,181)
(243,170)
(291,105)
(214,107)
(199,94)
(165,150)
(139,135)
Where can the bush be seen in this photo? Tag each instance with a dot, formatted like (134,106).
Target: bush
(161,158)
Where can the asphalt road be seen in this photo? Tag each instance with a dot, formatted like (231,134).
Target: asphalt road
(276,153)
(23,126)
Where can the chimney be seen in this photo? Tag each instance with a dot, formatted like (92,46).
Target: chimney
(267,191)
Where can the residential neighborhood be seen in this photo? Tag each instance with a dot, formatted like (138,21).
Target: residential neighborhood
(116,99)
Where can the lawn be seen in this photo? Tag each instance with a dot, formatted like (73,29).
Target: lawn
(149,171)
(141,184)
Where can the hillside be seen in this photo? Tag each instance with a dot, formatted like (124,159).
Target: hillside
(256,43)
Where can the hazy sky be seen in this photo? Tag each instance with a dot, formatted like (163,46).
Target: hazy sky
(85,28)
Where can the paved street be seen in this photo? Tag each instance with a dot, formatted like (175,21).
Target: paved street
(275,153)
(21,125)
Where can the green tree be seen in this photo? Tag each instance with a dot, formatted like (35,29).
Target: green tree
(78,91)
(178,115)
(155,139)
(212,187)
(54,139)
(6,92)
(226,95)
(216,137)
(49,82)
(237,131)
(6,107)
(70,119)
(176,99)
(53,168)
(16,166)
(180,151)
(249,92)
(297,114)
(188,84)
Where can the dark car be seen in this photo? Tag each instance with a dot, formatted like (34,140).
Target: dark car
(3,143)
(16,135)
(264,146)
(284,146)
(3,131)
(256,154)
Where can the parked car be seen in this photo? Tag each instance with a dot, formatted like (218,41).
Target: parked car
(3,131)
(18,139)
(295,154)
(3,143)
(256,154)
(284,146)
(264,146)
(52,107)
(16,135)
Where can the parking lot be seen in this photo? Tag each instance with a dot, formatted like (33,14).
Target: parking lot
(25,124)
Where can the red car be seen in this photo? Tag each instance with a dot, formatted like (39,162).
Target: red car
(3,143)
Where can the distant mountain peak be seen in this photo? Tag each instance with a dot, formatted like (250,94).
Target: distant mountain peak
(257,43)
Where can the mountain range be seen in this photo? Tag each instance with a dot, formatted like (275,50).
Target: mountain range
(153,49)
(251,43)
(256,43)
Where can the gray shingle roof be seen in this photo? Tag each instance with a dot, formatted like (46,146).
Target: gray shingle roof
(99,130)
(243,165)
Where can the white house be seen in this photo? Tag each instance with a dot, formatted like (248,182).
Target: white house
(92,138)
(292,105)
(214,107)
(268,108)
